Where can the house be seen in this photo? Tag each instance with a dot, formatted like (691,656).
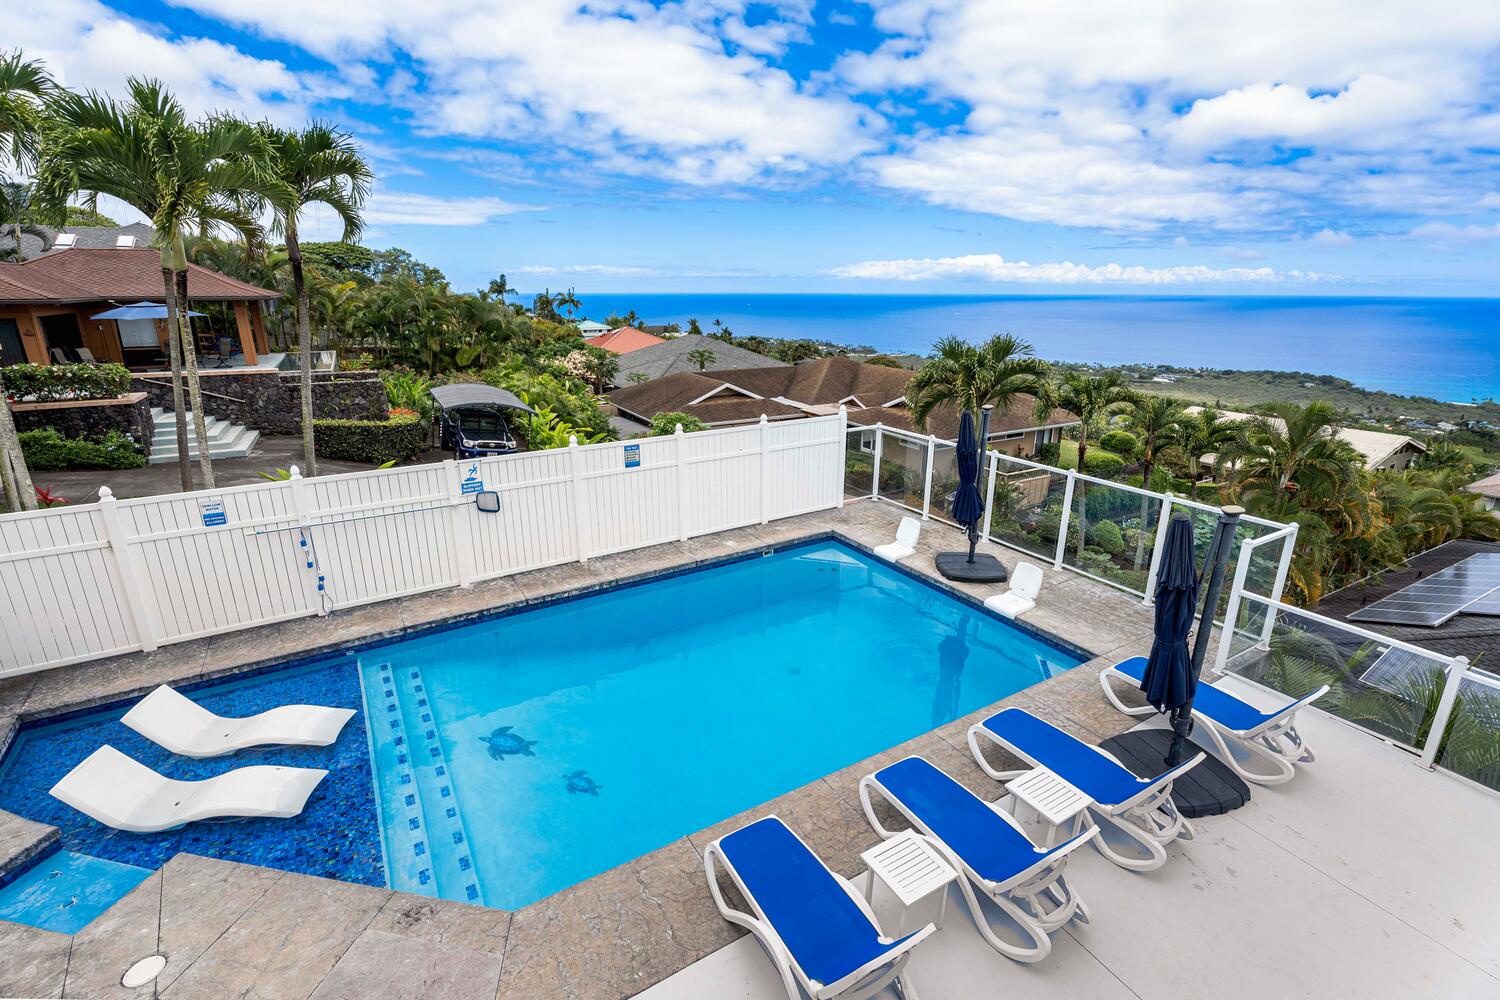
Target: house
(671,356)
(591,328)
(47,306)
(624,340)
(1380,450)
(1488,490)
(872,393)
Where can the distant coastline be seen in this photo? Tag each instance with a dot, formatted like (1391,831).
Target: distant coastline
(1444,349)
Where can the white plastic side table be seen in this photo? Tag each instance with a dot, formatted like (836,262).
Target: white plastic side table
(907,869)
(1047,802)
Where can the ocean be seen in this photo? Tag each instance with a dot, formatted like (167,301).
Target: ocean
(1445,348)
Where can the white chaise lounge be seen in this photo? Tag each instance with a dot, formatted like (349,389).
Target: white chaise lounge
(123,793)
(906,541)
(184,727)
(1261,747)
(1025,584)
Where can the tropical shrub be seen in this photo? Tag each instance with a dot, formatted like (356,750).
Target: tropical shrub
(372,441)
(1106,535)
(1049,453)
(53,383)
(1103,464)
(407,390)
(666,423)
(46,449)
(544,429)
(1119,442)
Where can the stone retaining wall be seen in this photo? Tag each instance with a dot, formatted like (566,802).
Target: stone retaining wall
(91,418)
(270,401)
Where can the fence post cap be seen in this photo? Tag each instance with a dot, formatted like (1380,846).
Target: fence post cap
(296,472)
(105,493)
(572,440)
(678,429)
(763,420)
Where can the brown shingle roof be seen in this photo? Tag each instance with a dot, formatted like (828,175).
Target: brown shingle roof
(943,422)
(676,393)
(827,380)
(90,275)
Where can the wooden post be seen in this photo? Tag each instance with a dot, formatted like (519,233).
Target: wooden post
(247,337)
(258,327)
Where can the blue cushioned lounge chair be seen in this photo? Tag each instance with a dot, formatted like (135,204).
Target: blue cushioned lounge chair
(1139,808)
(815,926)
(1243,735)
(987,845)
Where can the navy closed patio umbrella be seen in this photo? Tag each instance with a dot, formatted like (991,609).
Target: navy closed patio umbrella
(968,505)
(1171,680)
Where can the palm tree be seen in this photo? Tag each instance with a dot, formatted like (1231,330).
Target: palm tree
(1288,448)
(970,377)
(702,357)
(318,165)
(1204,432)
(20,215)
(1090,398)
(566,301)
(15,479)
(24,88)
(184,176)
(1155,421)
(500,288)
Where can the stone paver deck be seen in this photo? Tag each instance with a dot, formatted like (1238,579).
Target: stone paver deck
(234,930)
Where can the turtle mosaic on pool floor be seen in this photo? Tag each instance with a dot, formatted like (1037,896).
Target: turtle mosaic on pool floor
(504,743)
(579,783)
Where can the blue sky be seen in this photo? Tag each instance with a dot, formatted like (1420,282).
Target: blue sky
(1156,146)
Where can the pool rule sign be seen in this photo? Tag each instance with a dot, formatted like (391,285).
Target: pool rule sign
(632,456)
(472,483)
(211,509)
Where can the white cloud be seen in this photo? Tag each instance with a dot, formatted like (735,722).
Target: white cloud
(992,267)
(1331,238)
(399,208)
(1372,110)
(1448,234)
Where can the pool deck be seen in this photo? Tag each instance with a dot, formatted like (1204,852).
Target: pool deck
(234,930)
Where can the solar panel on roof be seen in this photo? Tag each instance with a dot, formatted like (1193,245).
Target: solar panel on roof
(1488,605)
(1398,670)
(1437,598)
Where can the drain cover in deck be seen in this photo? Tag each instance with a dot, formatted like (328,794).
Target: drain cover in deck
(1209,789)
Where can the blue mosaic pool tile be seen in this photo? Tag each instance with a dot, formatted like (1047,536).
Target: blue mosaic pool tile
(419,848)
(464,863)
(411,800)
(471,891)
(336,836)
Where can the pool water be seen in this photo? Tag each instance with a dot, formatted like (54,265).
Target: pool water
(64,891)
(520,755)
(501,760)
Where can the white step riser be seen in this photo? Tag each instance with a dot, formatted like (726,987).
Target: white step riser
(225,439)
(240,448)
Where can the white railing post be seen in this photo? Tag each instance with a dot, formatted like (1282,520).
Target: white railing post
(1062,524)
(580,520)
(879,444)
(314,583)
(1434,743)
(989,495)
(927,482)
(765,469)
(460,543)
(680,437)
(1161,537)
(1279,585)
(138,593)
(843,449)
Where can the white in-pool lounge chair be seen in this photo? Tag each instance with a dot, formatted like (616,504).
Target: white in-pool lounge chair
(1242,734)
(1025,584)
(814,925)
(184,727)
(123,793)
(986,844)
(906,541)
(1139,809)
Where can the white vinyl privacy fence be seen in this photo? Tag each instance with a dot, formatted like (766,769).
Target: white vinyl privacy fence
(88,581)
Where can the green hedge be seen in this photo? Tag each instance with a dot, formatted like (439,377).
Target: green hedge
(53,383)
(373,441)
(46,450)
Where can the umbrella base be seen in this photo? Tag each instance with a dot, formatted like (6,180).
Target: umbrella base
(956,566)
(1209,789)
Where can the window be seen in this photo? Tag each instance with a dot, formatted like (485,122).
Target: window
(64,241)
(138,333)
(867,442)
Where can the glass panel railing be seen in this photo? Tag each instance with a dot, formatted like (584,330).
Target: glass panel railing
(859,462)
(1027,508)
(1112,532)
(903,470)
(1471,742)
(945,482)
(1386,687)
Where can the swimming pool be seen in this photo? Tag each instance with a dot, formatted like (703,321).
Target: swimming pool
(501,760)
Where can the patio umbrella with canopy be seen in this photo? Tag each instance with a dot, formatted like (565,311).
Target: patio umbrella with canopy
(138,310)
(968,508)
(1170,680)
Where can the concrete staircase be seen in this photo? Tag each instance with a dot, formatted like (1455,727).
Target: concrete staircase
(225,440)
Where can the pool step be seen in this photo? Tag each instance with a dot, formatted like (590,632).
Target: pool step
(430,831)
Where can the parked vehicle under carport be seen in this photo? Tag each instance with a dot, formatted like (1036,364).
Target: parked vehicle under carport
(472,419)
